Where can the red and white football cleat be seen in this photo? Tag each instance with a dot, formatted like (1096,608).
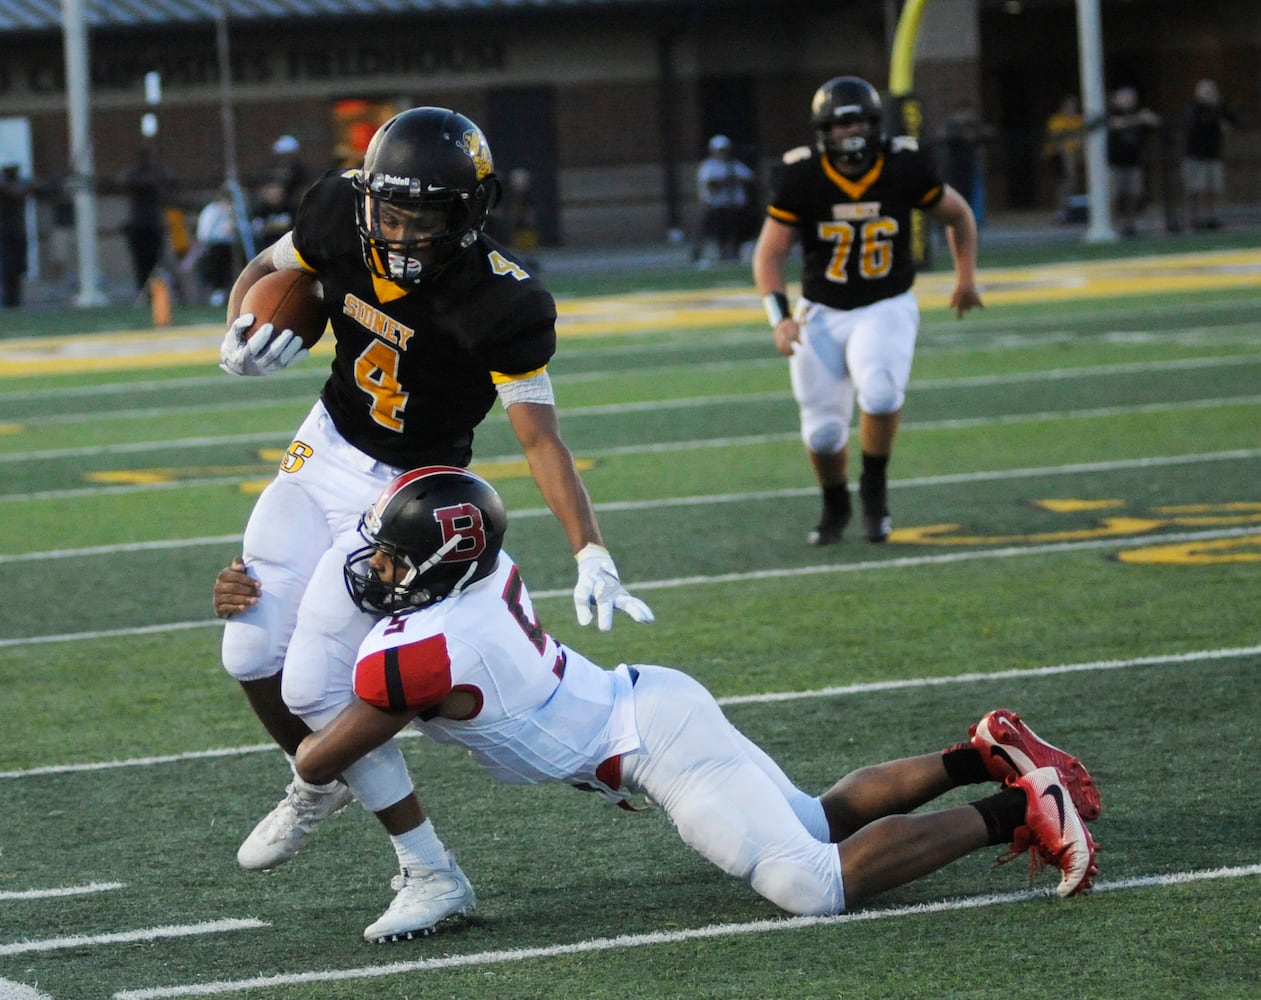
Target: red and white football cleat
(1053,832)
(1011,750)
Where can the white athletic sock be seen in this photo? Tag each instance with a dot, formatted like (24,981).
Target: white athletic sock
(420,848)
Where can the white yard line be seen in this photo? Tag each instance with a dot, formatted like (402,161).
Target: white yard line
(69,890)
(938,559)
(574,412)
(713,931)
(765,698)
(1238,454)
(127,937)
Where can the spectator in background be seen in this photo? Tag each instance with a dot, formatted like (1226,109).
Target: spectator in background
(1062,149)
(13,243)
(146,185)
(1128,129)
(281,192)
(213,247)
(61,233)
(722,187)
(1204,128)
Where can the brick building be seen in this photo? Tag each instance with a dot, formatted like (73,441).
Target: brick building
(606,103)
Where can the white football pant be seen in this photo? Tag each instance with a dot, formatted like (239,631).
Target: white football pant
(296,541)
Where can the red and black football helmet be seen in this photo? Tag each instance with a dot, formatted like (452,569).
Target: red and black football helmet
(442,526)
(842,100)
(434,165)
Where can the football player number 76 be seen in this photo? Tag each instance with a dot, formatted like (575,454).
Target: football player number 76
(875,249)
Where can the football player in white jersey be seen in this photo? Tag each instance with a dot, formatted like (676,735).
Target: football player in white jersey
(460,654)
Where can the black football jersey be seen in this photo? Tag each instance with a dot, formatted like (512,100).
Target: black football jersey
(415,368)
(855,233)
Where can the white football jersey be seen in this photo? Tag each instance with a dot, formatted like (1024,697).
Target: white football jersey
(542,712)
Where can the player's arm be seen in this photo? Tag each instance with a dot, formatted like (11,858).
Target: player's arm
(770,254)
(358,730)
(261,265)
(953,212)
(552,466)
(261,353)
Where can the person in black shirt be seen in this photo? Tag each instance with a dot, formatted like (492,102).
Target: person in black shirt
(433,322)
(13,242)
(1128,129)
(848,200)
(1204,130)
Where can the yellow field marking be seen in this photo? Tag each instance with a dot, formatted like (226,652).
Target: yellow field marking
(1246,549)
(642,312)
(1073,506)
(495,471)
(940,534)
(1215,515)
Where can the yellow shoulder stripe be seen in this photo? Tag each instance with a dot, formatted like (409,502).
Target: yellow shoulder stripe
(499,378)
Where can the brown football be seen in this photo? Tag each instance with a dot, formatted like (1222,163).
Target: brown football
(289,300)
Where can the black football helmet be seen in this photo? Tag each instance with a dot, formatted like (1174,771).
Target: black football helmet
(442,526)
(433,166)
(841,100)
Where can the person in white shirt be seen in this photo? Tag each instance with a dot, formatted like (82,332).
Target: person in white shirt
(459,653)
(722,188)
(214,246)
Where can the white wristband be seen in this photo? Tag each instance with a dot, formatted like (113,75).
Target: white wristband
(776,306)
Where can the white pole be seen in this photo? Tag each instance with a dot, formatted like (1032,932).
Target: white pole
(82,171)
(1094,114)
(231,182)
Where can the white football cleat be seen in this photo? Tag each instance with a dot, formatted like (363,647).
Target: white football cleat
(281,832)
(424,899)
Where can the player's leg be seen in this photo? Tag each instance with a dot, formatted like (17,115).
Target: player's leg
(430,886)
(871,793)
(825,404)
(1034,813)
(692,763)
(283,542)
(1214,188)
(878,355)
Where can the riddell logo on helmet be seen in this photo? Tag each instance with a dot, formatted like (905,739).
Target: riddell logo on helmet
(381,180)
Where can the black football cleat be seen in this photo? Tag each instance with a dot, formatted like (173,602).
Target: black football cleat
(831,526)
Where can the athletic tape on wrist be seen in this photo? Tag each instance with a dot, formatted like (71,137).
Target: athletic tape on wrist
(776,306)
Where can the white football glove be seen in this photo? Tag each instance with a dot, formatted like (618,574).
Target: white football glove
(255,356)
(598,584)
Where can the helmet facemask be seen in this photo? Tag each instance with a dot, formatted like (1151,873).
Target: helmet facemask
(406,589)
(433,532)
(856,149)
(409,236)
(848,101)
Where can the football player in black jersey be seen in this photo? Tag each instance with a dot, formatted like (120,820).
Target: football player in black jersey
(848,200)
(433,322)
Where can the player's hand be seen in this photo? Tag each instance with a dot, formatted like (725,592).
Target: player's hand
(235,590)
(255,355)
(787,336)
(599,585)
(965,297)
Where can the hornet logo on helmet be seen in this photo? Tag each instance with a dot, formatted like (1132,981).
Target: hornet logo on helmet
(474,143)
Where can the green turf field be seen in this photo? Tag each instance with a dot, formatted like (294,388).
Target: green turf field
(1078,515)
